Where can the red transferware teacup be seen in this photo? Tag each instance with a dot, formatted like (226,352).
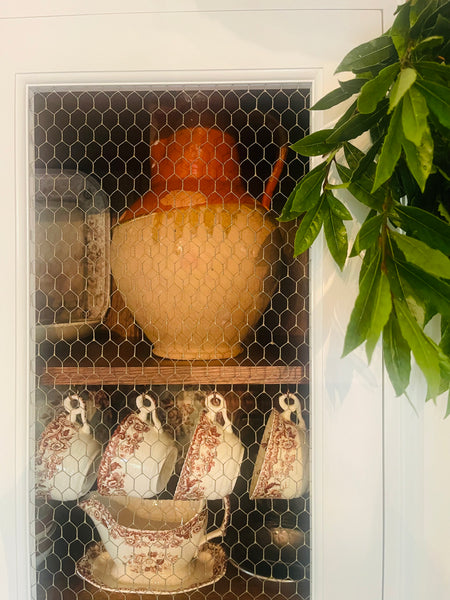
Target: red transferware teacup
(282,465)
(214,457)
(140,456)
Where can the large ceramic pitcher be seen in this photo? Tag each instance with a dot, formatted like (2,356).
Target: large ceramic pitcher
(194,258)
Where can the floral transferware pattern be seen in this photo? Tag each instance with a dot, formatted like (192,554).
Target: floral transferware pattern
(95,568)
(280,455)
(54,443)
(124,442)
(199,460)
(214,457)
(282,465)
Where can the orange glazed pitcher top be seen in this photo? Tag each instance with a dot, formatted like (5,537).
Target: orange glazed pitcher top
(195,166)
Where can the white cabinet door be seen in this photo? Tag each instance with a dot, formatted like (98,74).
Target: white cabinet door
(111,43)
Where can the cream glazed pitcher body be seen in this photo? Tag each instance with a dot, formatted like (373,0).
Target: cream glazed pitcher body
(197,246)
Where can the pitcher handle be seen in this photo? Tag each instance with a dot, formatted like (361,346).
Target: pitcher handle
(220,532)
(272,182)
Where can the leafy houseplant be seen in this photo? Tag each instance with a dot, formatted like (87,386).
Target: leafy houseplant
(399,98)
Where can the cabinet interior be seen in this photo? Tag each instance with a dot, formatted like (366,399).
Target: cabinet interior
(90,163)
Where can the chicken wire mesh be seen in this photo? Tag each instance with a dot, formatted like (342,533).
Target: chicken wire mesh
(190,382)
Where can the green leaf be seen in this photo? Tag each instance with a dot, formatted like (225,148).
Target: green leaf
(444,212)
(367,55)
(424,226)
(427,288)
(414,116)
(419,10)
(313,144)
(401,85)
(353,86)
(356,125)
(372,307)
(376,89)
(438,99)
(367,164)
(445,336)
(442,25)
(351,110)
(361,189)
(331,99)
(401,289)
(353,155)
(424,350)
(420,254)
(345,91)
(305,194)
(420,158)
(400,30)
(426,45)
(396,355)
(309,228)
(335,232)
(390,151)
(339,209)
(437,72)
(381,311)
(368,235)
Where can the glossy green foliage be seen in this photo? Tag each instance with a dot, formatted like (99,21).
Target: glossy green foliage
(399,97)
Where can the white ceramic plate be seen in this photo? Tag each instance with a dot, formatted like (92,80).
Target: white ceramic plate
(209,567)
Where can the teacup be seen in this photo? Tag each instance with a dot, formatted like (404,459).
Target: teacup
(140,456)
(151,542)
(282,464)
(68,455)
(214,457)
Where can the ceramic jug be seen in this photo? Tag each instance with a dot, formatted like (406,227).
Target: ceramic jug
(195,257)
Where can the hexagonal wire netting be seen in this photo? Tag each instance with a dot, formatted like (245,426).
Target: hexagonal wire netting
(171,336)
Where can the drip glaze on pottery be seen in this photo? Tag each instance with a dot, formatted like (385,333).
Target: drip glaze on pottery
(195,257)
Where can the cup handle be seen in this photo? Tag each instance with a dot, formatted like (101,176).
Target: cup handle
(145,410)
(77,410)
(290,408)
(218,407)
(220,532)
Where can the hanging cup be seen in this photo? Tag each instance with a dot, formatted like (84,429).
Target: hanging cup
(214,457)
(68,454)
(140,456)
(282,464)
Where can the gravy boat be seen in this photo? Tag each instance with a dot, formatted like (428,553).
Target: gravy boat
(151,542)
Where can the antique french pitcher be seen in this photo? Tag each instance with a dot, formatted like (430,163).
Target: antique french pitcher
(194,258)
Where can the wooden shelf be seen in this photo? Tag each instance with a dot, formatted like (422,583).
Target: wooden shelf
(175,374)
(112,362)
